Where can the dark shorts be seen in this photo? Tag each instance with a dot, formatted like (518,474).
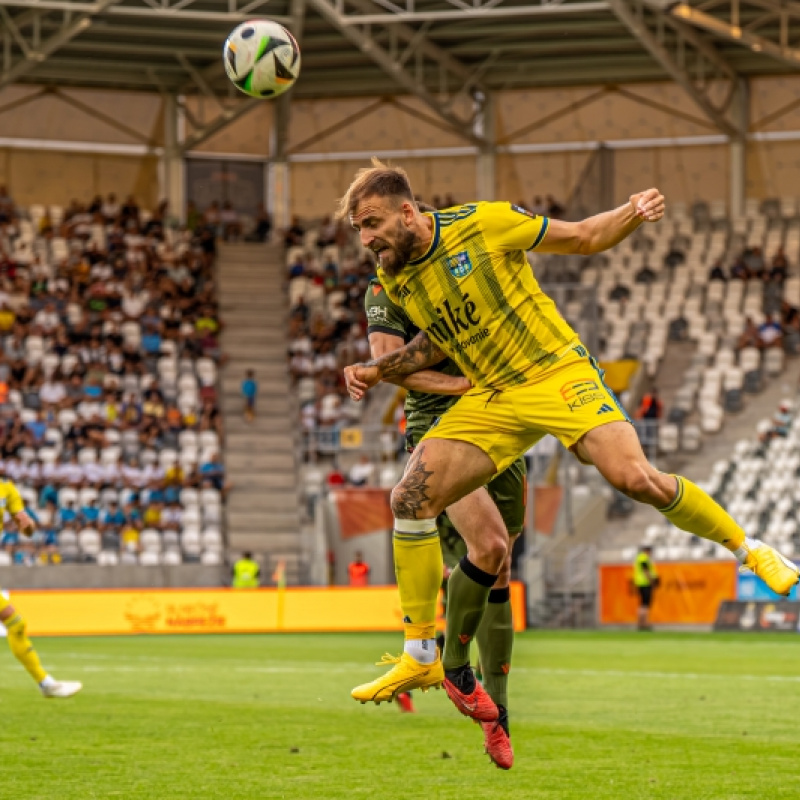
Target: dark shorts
(509,492)
(645,595)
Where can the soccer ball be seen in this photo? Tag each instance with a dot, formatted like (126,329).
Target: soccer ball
(262,58)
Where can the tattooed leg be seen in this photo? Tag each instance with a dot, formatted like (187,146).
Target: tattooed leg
(440,472)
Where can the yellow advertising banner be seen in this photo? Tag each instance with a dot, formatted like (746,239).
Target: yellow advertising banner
(618,374)
(690,592)
(121,611)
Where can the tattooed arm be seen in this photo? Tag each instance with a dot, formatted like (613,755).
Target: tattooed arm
(426,380)
(418,354)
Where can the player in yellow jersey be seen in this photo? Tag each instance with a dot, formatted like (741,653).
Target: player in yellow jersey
(463,279)
(11,503)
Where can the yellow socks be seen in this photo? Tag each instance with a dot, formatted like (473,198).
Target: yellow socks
(418,566)
(22,648)
(694,511)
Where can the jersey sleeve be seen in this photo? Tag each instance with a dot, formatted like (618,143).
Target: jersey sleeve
(384,315)
(15,502)
(508,227)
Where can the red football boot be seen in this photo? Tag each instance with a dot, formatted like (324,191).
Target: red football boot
(405,703)
(496,741)
(468,696)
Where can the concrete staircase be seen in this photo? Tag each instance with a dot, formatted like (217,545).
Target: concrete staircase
(260,456)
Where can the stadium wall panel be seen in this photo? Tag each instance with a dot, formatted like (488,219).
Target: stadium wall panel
(316,187)
(67,115)
(36,176)
(330,138)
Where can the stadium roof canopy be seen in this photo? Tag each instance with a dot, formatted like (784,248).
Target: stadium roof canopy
(441,50)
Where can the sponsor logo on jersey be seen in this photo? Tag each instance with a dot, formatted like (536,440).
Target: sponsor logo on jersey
(404,292)
(377,313)
(459,265)
(581,393)
(521,210)
(455,320)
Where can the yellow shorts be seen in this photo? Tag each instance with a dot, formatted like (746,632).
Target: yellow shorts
(567,401)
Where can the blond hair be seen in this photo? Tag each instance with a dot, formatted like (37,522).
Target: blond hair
(379,180)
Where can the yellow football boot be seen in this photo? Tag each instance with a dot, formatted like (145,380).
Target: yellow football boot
(406,674)
(777,572)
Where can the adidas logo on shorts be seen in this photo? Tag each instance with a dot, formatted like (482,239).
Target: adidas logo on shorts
(604,409)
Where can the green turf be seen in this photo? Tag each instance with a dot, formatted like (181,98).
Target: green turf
(606,715)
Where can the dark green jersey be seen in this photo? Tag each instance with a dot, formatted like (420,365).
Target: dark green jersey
(383,316)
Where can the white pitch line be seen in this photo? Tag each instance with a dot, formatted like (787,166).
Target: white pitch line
(320,667)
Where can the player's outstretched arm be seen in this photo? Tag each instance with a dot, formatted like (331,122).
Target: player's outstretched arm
(418,354)
(426,380)
(602,231)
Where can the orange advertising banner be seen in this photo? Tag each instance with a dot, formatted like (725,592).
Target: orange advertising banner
(362,511)
(546,502)
(111,612)
(690,592)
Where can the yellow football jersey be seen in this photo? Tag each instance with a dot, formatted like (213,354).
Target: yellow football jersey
(475,295)
(10,498)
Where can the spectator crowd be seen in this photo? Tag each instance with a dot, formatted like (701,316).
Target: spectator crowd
(328,275)
(109,346)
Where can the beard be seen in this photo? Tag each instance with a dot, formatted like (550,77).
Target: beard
(397,255)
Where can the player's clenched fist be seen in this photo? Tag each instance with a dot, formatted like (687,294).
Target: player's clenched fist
(648,205)
(359,378)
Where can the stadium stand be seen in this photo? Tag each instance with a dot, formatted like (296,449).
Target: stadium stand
(756,484)
(328,275)
(701,278)
(108,385)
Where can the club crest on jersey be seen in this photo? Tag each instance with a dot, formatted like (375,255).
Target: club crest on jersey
(459,265)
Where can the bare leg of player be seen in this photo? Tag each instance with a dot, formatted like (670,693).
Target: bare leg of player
(439,473)
(442,472)
(23,651)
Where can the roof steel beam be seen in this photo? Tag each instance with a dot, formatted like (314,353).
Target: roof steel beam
(733,32)
(180,11)
(223,120)
(423,54)
(691,62)
(34,56)
(490,10)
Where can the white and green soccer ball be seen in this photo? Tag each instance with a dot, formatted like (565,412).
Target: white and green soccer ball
(262,58)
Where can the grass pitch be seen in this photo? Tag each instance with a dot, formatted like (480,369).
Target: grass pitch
(593,715)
